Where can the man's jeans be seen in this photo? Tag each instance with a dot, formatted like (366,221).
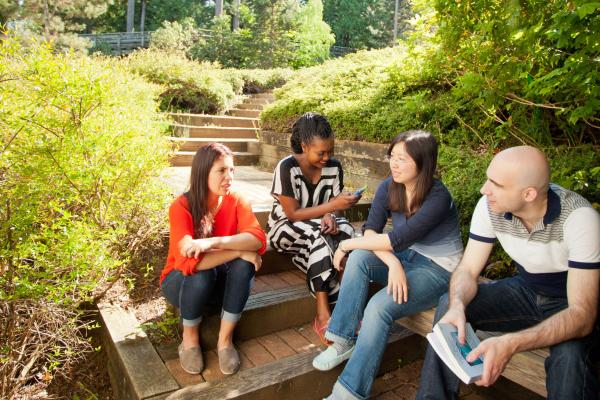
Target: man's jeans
(228,283)
(509,305)
(426,282)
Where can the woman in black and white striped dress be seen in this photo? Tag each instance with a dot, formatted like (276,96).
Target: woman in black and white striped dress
(307,187)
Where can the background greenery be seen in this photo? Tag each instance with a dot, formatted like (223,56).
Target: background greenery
(80,198)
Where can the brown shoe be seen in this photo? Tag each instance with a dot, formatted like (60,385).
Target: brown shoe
(229,360)
(191,359)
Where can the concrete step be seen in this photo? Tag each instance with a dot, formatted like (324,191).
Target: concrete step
(244,113)
(193,143)
(279,366)
(265,95)
(257,100)
(214,120)
(215,132)
(250,106)
(184,158)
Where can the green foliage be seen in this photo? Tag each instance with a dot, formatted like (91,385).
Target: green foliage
(277,33)
(364,24)
(174,36)
(76,175)
(199,87)
(80,198)
(472,74)
(157,12)
(57,20)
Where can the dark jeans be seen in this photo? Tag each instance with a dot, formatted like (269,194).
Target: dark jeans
(509,305)
(228,283)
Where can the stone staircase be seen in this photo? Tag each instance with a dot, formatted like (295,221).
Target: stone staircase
(238,129)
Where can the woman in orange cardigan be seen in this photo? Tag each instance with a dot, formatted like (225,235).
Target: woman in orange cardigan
(214,250)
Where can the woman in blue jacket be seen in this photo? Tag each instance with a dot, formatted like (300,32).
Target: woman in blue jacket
(413,261)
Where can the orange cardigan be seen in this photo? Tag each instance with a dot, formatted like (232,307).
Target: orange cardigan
(233,216)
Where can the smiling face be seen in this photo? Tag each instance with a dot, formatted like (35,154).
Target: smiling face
(220,177)
(318,152)
(403,167)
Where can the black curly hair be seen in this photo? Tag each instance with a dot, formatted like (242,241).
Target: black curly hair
(306,128)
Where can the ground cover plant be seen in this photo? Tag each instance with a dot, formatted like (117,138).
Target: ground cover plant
(80,200)
(200,87)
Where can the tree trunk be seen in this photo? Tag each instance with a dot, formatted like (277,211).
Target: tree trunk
(143,20)
(130,14)
(218,8)
(396,22)
(236,15)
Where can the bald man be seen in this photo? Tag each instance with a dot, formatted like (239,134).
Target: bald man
(553,236)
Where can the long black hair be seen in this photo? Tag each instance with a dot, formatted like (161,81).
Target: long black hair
(307,127)
(422,147)
(197,196)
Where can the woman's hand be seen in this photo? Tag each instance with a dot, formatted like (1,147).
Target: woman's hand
(340,257)
(344,200)
(329,224)
(192,248)
(397,284)
(252,257)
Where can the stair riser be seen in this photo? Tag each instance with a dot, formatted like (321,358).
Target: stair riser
(201,120)
(185,160)
(204,132)
(194,146)
(250,106)
(254,100)
(244,113)
(261,321)
(268,96)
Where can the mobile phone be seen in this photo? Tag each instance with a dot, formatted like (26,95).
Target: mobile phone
(360,191)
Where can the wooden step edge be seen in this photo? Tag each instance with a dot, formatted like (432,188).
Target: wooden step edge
(294,377)
(235,153)
(128,348)
(220,128)
(210,140)
(210,116)
(265,313)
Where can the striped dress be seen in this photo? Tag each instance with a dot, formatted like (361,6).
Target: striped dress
(312,251)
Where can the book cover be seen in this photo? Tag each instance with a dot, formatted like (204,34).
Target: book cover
(444,340)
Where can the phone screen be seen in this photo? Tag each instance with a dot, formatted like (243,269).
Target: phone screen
(360,191)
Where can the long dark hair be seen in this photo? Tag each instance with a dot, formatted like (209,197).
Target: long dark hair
(306,128)
(197,196)
(422,147)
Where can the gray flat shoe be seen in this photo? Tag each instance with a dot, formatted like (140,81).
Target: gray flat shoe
(229,360)
(191,359)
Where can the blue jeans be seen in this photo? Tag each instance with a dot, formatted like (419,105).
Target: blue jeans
(426,282)
(228,283)
(509,305)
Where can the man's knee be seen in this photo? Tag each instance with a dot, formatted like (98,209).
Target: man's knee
(571,354)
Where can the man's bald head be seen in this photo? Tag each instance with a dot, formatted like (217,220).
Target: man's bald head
(527,165)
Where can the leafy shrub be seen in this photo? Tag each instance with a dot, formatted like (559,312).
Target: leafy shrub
(200,87)
(474,75)
(80,196)
(189,85)
(174,36)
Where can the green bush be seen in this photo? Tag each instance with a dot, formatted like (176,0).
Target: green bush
(473,73)
(200,87)
(80,195)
